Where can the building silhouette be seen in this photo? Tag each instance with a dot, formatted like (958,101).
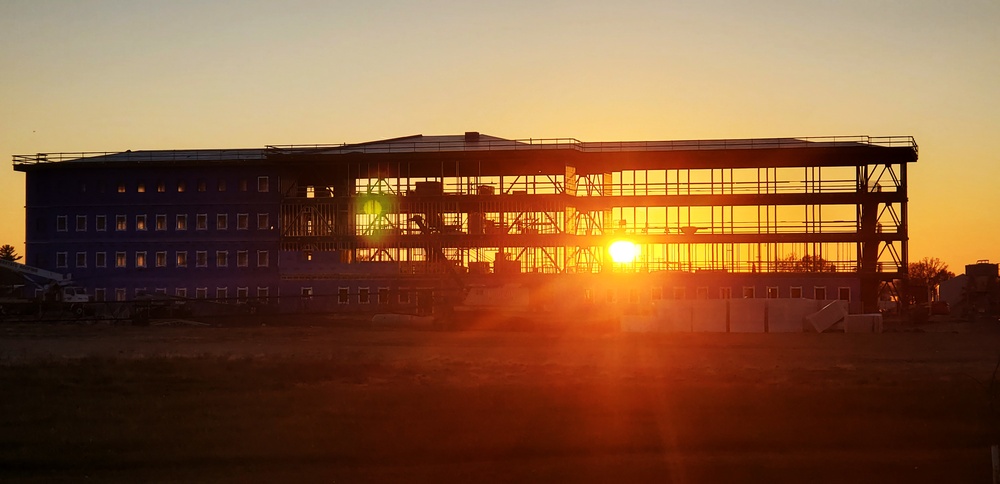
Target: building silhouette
(385,225)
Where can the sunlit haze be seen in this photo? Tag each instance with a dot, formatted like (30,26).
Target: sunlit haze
(117,75)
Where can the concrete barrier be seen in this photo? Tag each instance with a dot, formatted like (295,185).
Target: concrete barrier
(674,316)
(709,315)
(747,315)
(827,316)
(788,315)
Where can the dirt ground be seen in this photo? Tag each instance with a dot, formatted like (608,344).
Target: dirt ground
(362,404)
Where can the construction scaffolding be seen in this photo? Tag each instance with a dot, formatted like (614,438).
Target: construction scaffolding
(484,205)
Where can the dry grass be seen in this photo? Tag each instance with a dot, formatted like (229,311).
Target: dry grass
(352,405)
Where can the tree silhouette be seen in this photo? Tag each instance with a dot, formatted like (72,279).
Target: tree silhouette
(7,252)
(929,271)
(808,263)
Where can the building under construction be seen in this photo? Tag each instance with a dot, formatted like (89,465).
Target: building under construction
(391,225)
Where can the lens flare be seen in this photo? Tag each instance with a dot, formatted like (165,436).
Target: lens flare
(623,251)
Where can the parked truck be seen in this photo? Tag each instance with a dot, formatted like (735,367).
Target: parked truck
(50,290)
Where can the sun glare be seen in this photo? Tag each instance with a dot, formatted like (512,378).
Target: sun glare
(623,251)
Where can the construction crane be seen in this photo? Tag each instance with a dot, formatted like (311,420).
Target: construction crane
(55,288)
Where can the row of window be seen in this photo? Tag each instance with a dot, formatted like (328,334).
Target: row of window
(160,222)
(221,293)
(749,292)
(243,185)
(180,259)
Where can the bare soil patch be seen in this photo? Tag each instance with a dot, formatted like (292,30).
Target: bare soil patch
(353,404)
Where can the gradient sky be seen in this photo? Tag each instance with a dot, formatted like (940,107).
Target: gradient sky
(82,75)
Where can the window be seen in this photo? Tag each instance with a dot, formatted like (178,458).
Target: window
(182,222)
(363,295)
(102,223)
(181,259)
(181,292)
(61,222)
(262,294)
(222,185)
(243,184)
(61,259)
(201,185)
(222,293)
(221,221)
(201,258)
(680,293)
(844,293)
(725,293)
(161,187)
(262,258)
(120,260)
(242,259)
(242,221)
(702,293)
(161,222)
(609,296)
(262,221)
(633,296)
(263,184)
(100,294)
(242,294)
(343,295)
(140,222)
(749,292)
(101,259)
(140,259)
(656,293)
(383,295)
(141,187)
(81,259)
(81,223)
(119,294)
(181,186)
(161,259)
(403,295)
(819,293)
(201,221)
(121,187)
(201,293)
(795,292)
(221,258)
(772,292)
(308,255)
(160,290)
(140,291)
(121,223)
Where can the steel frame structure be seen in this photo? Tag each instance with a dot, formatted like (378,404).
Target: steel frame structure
(474,204)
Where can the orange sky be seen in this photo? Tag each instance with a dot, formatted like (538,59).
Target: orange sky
(116,75)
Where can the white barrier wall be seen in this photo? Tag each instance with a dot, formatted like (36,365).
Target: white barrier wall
(747,315)
(709,315)
(674,316)
(829,314)
(788,315)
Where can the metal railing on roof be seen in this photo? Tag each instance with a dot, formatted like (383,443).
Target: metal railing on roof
(435,146)
(148,156)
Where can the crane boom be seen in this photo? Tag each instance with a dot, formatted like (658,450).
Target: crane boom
(34,271)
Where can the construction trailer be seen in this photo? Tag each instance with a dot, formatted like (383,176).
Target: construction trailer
(397,225)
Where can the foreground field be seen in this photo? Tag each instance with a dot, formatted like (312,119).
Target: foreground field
(373,405)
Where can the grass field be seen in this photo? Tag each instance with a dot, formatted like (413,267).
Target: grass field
(352,404)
